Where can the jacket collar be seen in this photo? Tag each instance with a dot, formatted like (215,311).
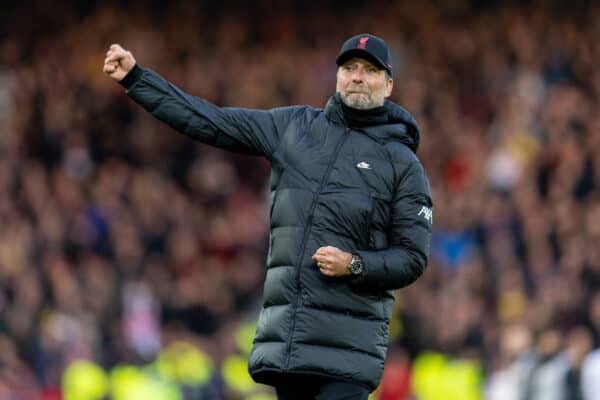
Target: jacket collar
(389,122)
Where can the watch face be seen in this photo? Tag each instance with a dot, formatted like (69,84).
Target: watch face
(356,266)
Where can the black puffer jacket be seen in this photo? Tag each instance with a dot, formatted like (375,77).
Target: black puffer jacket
(362,190)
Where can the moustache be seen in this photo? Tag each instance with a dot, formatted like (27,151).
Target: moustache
(357,90)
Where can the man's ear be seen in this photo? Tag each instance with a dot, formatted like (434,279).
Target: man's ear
(389,85)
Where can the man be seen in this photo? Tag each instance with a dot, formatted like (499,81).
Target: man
(350,216)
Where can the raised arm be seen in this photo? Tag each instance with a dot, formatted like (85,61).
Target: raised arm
(236,129)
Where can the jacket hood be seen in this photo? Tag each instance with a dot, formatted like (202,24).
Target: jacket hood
(399,124)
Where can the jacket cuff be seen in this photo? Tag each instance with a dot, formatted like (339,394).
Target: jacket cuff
(131,77)
(372,263)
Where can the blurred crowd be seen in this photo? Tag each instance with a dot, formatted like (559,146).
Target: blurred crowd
(120,238)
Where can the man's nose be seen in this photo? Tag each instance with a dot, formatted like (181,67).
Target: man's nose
(357,76)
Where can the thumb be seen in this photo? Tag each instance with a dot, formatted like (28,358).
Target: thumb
(110,68)
(115,56)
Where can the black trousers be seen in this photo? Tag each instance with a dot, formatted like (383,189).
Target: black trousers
(320,389)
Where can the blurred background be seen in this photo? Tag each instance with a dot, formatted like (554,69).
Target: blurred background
(131,258)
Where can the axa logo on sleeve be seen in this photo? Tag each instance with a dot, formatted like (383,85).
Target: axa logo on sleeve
(426,213)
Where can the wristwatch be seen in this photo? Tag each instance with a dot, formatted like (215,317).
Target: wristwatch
(356,266)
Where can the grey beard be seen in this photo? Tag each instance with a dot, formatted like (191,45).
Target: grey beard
(360,103)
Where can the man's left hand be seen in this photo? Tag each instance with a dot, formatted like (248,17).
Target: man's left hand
(332,261)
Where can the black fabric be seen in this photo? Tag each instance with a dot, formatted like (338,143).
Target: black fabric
(318,389)
(362,190)
(369,47)
(399,124)
(360,118)
(131,76)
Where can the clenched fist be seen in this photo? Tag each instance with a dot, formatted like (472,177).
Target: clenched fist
(118,62)
(332,261)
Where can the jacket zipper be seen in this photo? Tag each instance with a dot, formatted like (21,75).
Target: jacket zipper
(313,205)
